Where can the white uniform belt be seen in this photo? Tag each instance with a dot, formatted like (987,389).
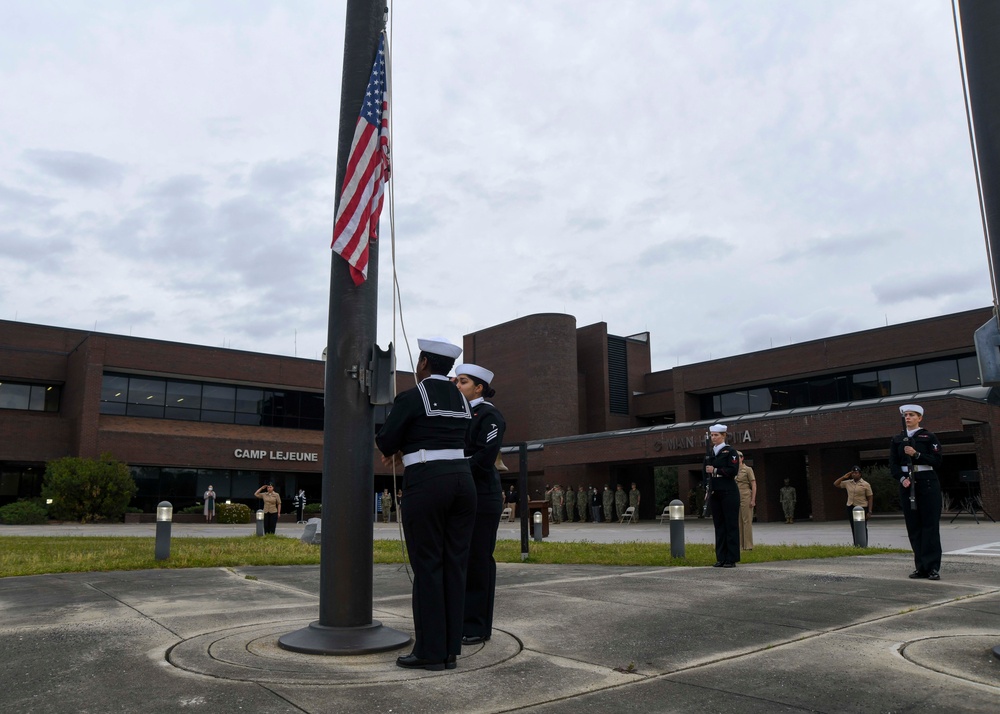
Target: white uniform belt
(920,467)
(425,455)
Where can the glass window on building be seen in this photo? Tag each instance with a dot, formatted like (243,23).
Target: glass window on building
(14,395)
(146,396)
(864,385)
(734,403)
(183,400)
(759,400)
(968,371)
(898,380)
(218,397)
(114,393)
(50,397)
(828,390)
(249,400)
(942,374)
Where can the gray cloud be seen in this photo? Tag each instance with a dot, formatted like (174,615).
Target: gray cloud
(898,287)
(77,167)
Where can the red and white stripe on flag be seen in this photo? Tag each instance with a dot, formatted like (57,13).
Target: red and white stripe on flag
(356,223)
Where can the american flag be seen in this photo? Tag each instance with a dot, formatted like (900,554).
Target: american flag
(367,173)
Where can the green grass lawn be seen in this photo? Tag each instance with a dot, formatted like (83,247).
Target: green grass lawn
(37,555)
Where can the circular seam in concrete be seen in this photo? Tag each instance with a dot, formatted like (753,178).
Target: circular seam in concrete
(966,657)
(251,654)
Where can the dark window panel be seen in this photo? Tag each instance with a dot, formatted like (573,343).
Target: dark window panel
(249,400)
(184,394)
(898,380)
(942,374)
(734,403)
(864,385)
(112,408)
(182,414)
(218,397)
(14,396)
(143,390)
(114,388)
(145,410)
(52,398)
(968,370)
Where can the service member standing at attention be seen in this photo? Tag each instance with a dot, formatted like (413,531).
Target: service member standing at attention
(634,499)
(725,497)
(482,444)
(428,425)
(747,483)
(915,459)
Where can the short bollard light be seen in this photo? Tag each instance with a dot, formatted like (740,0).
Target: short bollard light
(164,515)
(260,522)
(860,527)
(676,528)
(537,518)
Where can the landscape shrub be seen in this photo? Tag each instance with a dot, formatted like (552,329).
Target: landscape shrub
(233,513)
(88,490)
(23,513)
(316,508)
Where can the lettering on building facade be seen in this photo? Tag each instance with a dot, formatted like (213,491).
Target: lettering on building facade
(261,454)
(681,443)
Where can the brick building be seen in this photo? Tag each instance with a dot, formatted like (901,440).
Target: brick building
(587,402)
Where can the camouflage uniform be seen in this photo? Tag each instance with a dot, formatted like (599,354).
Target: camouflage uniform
(633,500)
(557,504)
(621,500)
(582,504)
(787,496)
(569,498)
(609,504)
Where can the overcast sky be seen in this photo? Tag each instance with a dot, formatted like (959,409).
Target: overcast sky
(725,175)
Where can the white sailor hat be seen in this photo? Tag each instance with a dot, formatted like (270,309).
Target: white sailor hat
(474,370)
(439,346)
(718,428)
(911,408)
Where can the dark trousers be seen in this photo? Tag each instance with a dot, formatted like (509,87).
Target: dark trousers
(923,526)
(726,517)
(300,513)
(438,521)
(481,578)
(270,522)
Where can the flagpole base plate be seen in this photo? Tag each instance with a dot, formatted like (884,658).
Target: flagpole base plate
(324,640)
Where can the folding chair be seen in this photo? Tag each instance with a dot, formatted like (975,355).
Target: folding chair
(665,516)
(628,515)
(505,514)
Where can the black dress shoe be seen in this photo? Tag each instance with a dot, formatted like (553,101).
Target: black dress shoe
(729,565)
(411,661)
(718,564)
(451,662)
(933,575)
(918,574)
(475,639)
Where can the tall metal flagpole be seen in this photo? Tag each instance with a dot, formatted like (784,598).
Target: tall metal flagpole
(345,625)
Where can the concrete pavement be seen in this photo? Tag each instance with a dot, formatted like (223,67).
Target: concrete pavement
(833,635)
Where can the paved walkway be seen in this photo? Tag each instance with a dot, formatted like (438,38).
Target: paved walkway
(833,635)
(887,531)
